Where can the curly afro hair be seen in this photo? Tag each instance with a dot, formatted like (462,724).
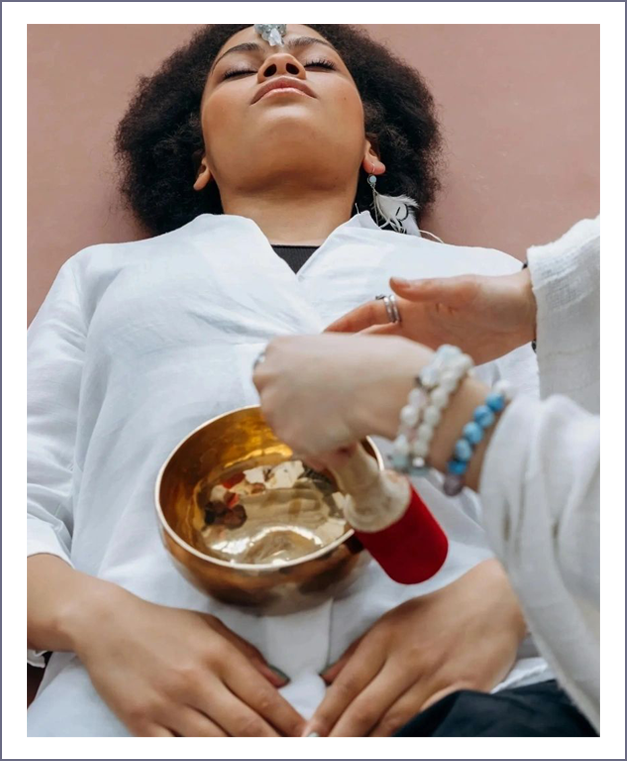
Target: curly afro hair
(159,140)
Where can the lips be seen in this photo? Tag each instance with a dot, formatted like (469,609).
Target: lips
(283,83)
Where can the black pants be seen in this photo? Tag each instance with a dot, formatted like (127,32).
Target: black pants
(540,710)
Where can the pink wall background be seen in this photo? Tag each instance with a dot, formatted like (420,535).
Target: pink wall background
(519,106)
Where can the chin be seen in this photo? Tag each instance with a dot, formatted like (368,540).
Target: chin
(301,107)
(293,124)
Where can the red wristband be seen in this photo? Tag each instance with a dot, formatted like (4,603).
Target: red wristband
(411,550)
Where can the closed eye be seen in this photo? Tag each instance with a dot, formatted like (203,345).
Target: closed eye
(237,73)
(322,63)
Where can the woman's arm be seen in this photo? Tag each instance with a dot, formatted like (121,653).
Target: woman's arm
(59,598)
(56,345)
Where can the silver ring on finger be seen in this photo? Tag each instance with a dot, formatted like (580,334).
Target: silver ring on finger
(391,307)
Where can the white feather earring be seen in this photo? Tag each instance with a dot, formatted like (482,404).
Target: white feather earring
(393,210)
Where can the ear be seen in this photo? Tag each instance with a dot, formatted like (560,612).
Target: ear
(204,175)
(371,163)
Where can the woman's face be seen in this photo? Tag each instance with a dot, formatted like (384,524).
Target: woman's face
(291,111)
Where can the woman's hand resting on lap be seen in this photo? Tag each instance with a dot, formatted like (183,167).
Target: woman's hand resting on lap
(166,672)
(464,636)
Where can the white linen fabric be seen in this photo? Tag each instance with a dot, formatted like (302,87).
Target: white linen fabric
(139,343)
(540,479)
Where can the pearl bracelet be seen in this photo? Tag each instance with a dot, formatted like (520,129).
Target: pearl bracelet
(472,433)
(437,382)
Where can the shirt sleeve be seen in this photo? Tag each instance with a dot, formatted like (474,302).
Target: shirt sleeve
(565,279)
(540,477)
(56,343)
(540,491)
(540,494)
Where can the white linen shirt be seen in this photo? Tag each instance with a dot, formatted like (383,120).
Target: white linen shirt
(139,343)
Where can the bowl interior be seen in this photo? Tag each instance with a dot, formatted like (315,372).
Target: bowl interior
(232,493)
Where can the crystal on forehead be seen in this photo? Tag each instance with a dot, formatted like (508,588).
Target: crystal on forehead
(271,33)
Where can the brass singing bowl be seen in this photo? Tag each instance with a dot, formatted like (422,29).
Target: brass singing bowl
(212,451)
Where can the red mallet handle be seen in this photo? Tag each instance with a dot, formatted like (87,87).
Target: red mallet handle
(411,550)
(390,519)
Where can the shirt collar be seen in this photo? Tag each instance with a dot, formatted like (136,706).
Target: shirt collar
(363,219)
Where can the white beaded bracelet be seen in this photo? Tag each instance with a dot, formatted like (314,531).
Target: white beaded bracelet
(437,382)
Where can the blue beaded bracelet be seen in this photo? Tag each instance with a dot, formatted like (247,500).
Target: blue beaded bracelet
(472,433)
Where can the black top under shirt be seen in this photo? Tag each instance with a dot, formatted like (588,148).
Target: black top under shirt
(294,256)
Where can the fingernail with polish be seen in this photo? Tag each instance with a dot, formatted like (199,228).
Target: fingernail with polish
(312,743)
(281,674)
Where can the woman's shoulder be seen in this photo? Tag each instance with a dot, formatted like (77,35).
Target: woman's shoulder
(101,257)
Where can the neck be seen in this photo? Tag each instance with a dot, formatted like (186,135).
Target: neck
(293,218)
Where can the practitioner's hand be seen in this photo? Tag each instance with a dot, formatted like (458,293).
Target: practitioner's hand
(486,317)
(170,672)
(320,393)
(464,636)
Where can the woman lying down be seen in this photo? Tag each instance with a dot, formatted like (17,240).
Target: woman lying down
(262,165)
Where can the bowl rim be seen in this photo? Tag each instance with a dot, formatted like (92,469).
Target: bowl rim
(260,567)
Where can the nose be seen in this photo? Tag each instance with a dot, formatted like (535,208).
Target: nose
(281,65)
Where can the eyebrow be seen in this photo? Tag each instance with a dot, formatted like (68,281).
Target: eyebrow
(296,42)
